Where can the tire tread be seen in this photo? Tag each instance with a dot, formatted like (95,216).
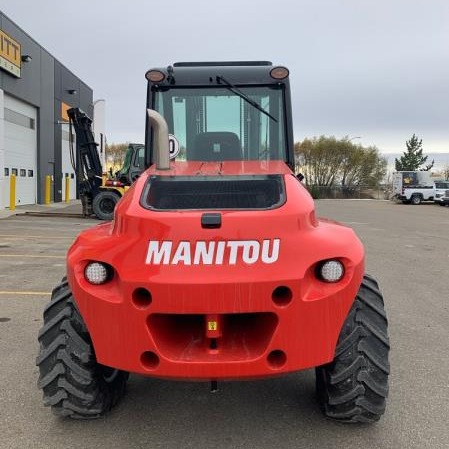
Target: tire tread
(354,387)
(70,377)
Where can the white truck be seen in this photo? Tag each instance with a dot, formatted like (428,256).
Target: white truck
(441,193)
(417,186)
(444,198)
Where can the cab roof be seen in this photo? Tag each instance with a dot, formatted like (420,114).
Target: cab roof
(205,73)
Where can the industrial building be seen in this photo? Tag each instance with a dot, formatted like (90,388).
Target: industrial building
(35,92)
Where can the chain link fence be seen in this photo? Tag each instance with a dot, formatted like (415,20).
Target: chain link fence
(380,192)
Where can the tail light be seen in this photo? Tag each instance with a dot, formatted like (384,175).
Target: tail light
(330,271)
(111,183)
(98,273)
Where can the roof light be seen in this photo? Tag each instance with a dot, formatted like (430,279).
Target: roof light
(155,76)
(279,73)
(331,271)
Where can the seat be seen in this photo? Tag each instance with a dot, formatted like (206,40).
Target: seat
(216,146)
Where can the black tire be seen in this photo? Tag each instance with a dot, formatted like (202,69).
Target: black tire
(416,200)
(104,204)
(354,386)
(73,383)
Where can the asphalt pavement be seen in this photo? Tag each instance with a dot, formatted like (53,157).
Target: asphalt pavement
(407,251)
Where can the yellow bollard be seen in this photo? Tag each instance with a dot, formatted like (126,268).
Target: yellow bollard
(12,192)
(67,189)
(47,189)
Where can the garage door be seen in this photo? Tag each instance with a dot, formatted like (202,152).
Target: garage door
(20,131)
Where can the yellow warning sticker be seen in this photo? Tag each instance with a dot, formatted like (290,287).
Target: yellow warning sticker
(212,325)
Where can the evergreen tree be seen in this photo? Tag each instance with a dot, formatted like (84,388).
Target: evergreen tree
(412,159)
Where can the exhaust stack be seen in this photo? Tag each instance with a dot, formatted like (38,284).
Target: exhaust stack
(161,143)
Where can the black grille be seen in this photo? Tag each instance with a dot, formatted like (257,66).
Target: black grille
(210,192)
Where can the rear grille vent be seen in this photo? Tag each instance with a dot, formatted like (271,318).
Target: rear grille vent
(213,192)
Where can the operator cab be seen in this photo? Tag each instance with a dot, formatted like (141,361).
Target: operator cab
(133,164)
(224,111)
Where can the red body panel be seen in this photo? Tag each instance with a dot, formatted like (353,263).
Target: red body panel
(216,321)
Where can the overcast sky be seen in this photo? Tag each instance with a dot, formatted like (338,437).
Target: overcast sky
(378,69)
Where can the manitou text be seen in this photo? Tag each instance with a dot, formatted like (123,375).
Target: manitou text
(212,253)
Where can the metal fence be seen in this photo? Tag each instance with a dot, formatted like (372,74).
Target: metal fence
(350,192)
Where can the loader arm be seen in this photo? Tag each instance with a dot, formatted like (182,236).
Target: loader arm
(86,161)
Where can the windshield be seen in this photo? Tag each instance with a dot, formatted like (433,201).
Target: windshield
(126,163)
(216,124)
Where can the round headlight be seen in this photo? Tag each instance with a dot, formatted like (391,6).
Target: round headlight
(331,271)
(97,273)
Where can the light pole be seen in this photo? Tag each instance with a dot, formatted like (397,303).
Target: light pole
(99,128)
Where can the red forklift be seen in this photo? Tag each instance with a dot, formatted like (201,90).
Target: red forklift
(216,267)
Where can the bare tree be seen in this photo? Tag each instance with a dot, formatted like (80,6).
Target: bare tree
(366,167)
(115,155)
(321,159)
(327,161)
(446,172)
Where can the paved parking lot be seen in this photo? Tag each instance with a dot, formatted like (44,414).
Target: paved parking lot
(407,251)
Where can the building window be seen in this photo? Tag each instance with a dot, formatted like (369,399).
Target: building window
(6,171)
(14,171)
(23,172)
(30,173)
(19,119)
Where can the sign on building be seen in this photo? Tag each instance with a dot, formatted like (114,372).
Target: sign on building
(10,54)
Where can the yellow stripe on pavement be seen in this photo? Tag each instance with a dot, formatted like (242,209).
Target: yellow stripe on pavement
(26,293)
(33,256)
(37,236)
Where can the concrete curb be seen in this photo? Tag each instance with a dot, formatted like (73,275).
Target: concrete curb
(73,207)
